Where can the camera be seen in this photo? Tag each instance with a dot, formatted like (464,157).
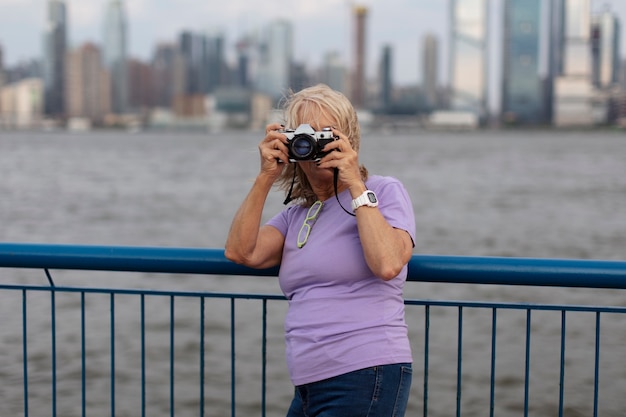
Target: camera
(305,144)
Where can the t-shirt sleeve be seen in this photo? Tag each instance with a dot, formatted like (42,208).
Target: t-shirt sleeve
(395,205)
(281,221)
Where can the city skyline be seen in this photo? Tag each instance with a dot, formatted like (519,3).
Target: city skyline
(316,32)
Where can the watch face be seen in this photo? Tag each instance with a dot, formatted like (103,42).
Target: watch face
(372,197)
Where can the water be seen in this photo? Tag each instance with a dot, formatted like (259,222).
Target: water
(490,193)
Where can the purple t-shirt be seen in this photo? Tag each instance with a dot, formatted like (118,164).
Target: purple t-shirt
(341,317)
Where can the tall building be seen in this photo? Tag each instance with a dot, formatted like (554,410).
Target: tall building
(468,56)
(169,72)
(2,76)
(55,46)
(359,64)
(213,63)
(243,70)
(142,91)
(430,70)
(189,48)
(115,55)
(386,84)
(574,95)
(522,92)
(333,72)
(556,32)
(606,32)
(275,59)
(87,84)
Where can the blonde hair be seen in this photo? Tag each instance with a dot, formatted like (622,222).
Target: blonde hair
(306,106)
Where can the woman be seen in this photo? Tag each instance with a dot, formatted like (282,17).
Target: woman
(343,252)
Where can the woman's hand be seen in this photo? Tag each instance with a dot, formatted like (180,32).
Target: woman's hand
(273,151)
(345,159)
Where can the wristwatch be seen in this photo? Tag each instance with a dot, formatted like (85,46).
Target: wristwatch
(368,198)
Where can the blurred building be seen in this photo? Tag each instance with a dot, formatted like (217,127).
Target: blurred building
(55,48)
(169,72)
(358,87)
(189,46)
(2,75)
(523,99)
(333,72)
(204,60)
(190,106)
(468,56)
(115,55)
(1,67)
(213,63)
(298,77)
(244,49)
(22,104)
(605,38)
(607,65)
(386,83)
(87,85)
(575,99)
(32,68)
(275,59)
(142,91)
(430,70)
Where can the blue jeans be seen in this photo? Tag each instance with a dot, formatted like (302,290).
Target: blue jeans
(379,391)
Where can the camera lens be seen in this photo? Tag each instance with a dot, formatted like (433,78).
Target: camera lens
(302,147)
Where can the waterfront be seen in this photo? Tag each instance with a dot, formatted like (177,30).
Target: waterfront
(482,193)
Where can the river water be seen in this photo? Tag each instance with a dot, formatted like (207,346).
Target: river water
(541,194)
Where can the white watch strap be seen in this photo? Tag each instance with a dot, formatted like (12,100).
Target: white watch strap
(364,200)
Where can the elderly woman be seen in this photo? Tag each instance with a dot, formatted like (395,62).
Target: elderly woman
(343,248)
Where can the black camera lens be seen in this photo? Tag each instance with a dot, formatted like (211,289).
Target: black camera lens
(302,147)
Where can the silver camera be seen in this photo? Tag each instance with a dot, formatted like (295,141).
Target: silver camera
(306,144)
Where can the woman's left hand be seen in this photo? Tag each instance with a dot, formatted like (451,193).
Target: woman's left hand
(342,156)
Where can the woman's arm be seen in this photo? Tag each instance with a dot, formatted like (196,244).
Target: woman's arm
(248,243)
(386,248)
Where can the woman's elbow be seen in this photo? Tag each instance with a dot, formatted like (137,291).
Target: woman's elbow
(235,256)
(389,273)
(391,268)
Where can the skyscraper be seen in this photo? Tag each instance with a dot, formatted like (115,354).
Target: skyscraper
(115,55)
(430,69)
(573,89)
(468,56)
(168,65)
(577,46)
(606,33)
(333,72)
(386,84)
(55,44)
(2,81)
(213,63)
(359,73)
(522,94)
(87,87)
(275,59)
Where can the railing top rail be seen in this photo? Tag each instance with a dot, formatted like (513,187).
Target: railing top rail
(425,268)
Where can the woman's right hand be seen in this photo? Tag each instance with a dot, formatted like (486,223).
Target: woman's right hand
(273,151)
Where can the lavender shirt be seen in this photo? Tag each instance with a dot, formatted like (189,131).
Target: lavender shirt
(341,317)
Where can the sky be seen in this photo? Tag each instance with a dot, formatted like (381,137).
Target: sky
(319,26)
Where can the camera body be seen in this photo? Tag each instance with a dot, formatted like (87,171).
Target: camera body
(306,144)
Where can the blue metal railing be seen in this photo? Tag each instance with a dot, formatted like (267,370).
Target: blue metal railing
(422,268)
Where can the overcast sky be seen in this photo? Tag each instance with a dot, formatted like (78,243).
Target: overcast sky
(319,26)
